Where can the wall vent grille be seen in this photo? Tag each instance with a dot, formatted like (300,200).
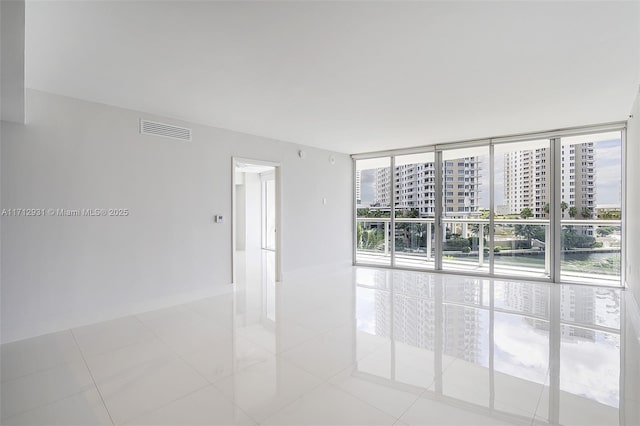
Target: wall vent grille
(148,127)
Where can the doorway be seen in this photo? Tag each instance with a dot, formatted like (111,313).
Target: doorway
(255,221)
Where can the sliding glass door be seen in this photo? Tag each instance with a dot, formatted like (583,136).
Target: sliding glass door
(522,211)
(414,210)
(591,214)
(546,208)
(373,211)
(465,209)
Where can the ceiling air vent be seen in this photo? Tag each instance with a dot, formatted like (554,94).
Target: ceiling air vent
(165,130)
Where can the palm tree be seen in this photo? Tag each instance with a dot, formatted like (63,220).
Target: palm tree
(526,213)
(369,238)
(563,207)
(529,232)
(586,213)
(573,212)
(475,229)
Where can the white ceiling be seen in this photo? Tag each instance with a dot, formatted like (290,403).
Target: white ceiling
(345,76)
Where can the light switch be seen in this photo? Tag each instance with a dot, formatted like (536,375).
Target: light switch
(324,201)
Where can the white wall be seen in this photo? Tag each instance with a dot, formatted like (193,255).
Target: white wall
(12,15)
(59,272)
(633,201)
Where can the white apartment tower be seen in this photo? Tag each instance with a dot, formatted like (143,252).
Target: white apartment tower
(414,187)
(578,185)
(383,183)
(525,182)
(358,187)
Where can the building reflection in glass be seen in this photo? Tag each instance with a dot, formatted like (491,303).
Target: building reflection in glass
(506,350)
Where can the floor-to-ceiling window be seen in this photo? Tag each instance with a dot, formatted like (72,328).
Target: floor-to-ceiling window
(373,182)
(591,214)
(465,209)
(548,206)
(414,211)
(522,226)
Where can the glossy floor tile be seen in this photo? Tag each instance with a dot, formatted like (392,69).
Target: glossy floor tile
(41,388)
(29,356)
(206,406)
(80,409)
(352,346)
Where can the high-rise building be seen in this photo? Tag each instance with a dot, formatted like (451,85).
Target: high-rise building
(525,182)
(358,187)
(414,187)
(383,183)
(578,177)
(461,186)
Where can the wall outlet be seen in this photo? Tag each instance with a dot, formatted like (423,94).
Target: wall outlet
(218,218)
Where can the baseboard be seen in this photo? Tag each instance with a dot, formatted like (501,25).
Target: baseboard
(66,322)
(323,269)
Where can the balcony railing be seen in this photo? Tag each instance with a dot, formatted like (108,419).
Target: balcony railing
(520,246)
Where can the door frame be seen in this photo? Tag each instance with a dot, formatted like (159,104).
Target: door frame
(264,178)
(278,184)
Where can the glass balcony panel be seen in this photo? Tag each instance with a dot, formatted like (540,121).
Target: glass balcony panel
(415,242)
(591,254)
(465,246)
(372,242)
(520,248)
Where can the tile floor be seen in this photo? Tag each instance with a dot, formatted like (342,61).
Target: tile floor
(358,346)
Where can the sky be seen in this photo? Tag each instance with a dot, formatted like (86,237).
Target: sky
(368,186)
(608,156)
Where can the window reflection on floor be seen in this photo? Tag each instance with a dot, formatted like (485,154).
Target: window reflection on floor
(512,350)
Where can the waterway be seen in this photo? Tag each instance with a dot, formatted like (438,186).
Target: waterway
(596,263)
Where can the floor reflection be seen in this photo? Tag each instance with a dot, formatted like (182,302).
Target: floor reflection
(342,346)
(508,349)
(477,351)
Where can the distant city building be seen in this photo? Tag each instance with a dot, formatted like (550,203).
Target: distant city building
(608,211)
(358,187)
(578,177)
(525,183)
(502,209)
(415,187)
(524,177)
(383,183)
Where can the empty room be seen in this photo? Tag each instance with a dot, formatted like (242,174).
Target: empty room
(319,213)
